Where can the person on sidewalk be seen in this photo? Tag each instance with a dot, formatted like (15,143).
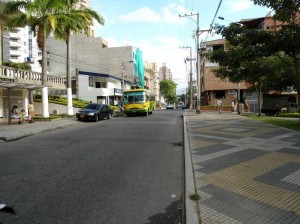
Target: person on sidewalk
(232,106)
(219,105)
(22,117)
(15,114)
(30,112)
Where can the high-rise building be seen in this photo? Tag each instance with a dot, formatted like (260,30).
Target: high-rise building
(19,45)
(165,73)
(86,4)
(151,78)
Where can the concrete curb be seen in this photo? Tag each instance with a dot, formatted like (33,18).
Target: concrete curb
(191,210)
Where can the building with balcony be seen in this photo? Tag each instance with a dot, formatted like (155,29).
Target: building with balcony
(19,45)
(151,78)
(165,73)
(213,88)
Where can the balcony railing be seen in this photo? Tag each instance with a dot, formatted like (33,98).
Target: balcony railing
(24,76)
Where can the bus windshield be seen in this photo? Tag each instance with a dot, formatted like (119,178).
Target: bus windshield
(134,97)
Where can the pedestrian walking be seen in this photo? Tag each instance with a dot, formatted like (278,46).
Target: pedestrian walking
(30,112)
(219,105)
(232,106)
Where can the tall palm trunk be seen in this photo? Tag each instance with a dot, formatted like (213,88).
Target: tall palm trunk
(44,77)
(69,83)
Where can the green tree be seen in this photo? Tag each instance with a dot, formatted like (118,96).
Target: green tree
(288,37)
(249,56)
(168,90)
(24,65)
(39,15)
(70,18)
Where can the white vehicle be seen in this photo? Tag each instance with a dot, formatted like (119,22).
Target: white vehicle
(170,106)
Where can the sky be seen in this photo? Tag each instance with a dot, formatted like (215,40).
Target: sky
(156,28)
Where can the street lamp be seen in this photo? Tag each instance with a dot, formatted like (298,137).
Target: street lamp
(237,23)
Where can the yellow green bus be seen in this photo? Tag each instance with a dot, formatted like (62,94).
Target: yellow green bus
(138,101)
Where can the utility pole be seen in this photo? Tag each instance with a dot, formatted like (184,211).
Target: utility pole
(191,76)
(198,110)
(123,75)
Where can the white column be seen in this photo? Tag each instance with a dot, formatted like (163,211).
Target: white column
(70,103)
(45,102)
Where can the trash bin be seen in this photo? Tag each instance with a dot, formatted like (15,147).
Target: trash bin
(241,108)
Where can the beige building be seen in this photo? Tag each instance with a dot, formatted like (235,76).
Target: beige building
(165,73)
(151,78)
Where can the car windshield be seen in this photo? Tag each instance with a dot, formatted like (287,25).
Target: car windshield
(134,97)
(93,106)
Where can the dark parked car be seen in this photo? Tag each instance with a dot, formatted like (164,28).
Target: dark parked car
(94,112)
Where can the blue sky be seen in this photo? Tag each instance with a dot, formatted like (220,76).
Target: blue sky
(155,27)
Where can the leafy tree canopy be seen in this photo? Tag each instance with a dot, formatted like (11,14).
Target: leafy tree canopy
(168,90)
(250,55)
(285,10)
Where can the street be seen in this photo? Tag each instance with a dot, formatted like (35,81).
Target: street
(123,170)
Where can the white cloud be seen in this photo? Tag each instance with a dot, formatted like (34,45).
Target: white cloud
(142,15)
(239,6)
(168,51)
(168,14)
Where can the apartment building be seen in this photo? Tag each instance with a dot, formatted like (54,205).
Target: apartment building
(19,45)
(152,78)
(213,88)
(165,73)
(86,4)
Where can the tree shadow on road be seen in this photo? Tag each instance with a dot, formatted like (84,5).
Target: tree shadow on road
(173,215)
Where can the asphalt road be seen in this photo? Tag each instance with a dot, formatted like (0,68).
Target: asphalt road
(124,170)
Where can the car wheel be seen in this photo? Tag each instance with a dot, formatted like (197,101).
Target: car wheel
(109,116)
(78,118)
(96,118)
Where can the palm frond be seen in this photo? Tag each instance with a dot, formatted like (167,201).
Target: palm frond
(15,7)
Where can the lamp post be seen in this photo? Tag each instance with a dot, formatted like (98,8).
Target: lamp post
(222,18)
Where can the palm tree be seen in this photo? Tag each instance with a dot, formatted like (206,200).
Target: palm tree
(70,19)
(39,15)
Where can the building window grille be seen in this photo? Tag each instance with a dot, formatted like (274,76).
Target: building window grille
(101,85)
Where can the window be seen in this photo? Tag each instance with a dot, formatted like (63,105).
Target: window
(219,94)
(101,85)
(91,81)
(218,47)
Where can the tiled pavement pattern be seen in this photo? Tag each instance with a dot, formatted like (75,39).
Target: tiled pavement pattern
(245,171)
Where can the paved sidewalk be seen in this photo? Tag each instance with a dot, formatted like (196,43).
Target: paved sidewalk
(15,131)
(245,171)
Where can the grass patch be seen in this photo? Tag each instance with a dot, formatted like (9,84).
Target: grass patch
(52,117)
(195,197)
(280,122)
